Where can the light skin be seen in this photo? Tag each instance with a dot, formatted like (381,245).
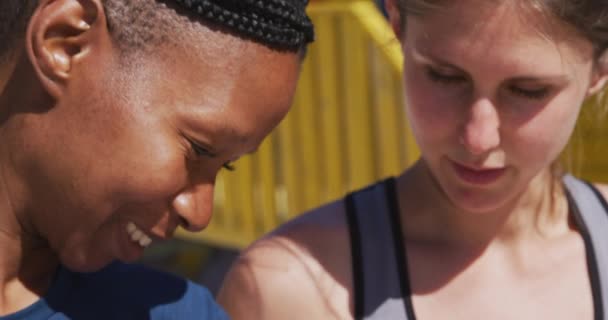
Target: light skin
(505,248)
(91,145)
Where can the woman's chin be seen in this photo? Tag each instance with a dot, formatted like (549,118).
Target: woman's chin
(478,202)
(85,260)
(478,208)
(84,265)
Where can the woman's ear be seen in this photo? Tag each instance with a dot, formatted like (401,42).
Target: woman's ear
(58,34)
(394,16)
(600,75)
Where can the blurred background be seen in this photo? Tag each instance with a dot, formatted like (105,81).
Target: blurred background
(347,129)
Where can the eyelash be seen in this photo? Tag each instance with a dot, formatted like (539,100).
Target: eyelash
(229,166)
(531,94)
(440,78)
(202,152)
(454,80)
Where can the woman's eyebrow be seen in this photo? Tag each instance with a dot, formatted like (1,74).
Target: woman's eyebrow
(429,57)
(554,78)
(559,79)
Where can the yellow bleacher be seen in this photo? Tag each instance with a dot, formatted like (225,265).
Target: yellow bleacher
(347,128)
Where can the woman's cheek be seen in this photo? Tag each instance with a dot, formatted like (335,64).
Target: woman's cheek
(431,115)
(159,173)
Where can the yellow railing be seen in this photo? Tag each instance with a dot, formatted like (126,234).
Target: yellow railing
(587,154)
(346,129)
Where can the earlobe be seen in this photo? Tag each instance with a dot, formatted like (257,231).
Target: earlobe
(600,76)
(394,16)
(59,31)
(598,84)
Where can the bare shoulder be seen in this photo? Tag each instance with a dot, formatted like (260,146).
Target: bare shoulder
(603,189)
(299,271)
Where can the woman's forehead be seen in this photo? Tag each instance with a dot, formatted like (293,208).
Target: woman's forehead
(480,27)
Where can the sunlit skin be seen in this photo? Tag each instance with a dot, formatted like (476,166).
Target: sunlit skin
(483,102)
(92,140)
(488,106)
(480,100)
(493,92)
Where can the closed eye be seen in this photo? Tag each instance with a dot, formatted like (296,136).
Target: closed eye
(200,151)
(442,78)
(203,152)
(536,94)
(229,166)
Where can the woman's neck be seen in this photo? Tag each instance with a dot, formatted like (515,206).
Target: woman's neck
(27,264)
(25,274)
(539,211)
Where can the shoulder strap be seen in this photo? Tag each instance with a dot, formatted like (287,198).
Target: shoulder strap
(376,276)
(591,212)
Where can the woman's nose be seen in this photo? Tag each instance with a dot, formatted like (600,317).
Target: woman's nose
(481,130)
(194,205)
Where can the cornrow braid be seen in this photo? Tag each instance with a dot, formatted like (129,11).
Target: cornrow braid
(278,24)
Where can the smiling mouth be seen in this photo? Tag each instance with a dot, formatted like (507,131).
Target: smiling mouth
(138,236)
(477,176)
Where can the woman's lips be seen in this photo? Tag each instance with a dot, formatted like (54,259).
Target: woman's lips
(477,176)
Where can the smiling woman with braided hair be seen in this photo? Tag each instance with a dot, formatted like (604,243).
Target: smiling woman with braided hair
(115,118)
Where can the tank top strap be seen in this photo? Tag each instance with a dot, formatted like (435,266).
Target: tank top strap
(591,213)
(381,286)
(377,254)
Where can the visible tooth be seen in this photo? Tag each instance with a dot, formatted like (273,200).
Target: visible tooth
(131,227)
(145,241)
(136,235)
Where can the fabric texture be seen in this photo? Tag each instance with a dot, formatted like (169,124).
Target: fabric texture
(122,291)
(380,275)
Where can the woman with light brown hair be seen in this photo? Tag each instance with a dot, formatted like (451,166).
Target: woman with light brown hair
(481,226)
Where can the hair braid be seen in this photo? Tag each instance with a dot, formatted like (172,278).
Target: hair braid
(277,23)
(142,24)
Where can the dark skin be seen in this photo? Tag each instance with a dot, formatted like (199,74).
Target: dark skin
(90,146)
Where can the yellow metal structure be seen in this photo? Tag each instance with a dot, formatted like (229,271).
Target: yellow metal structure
(587,154)
(347,128)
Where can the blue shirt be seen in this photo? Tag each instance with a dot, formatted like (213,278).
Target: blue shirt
(121,291)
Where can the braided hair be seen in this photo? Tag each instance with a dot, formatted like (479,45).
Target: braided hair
(139,24)
(280,24)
